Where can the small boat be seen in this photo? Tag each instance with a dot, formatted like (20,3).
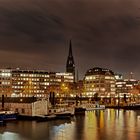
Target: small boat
(62,111)
(90,107)
(56,113)
(8,115)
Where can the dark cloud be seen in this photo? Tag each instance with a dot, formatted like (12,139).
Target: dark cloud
(104,33)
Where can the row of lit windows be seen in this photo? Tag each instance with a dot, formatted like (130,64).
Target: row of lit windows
(29,79)
(119,86)
(95,85)
(27,87)
(66,80)
(40,80)
(5,83)
(95,89)
(100,80)
(99,88)
(92,93)
(99,77)
(26,95)
(19,83)
(64,74)
(89,94)
(65,77)
(109,77)
(5,74)
(30,83)
(91,77)
(30,91)
(60,80)
(33,75)
(55,80)
(97,81)
(68,77)
(8,73)
(120,83)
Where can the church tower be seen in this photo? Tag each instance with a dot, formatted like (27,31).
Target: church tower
(70,66)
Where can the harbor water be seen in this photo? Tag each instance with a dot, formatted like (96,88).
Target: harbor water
(106,124)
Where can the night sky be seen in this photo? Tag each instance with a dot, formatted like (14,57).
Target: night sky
(35,34)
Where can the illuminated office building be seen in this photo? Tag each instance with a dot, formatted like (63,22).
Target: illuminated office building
(56,78)
(125,86)
(5,82)
(61,83)
(101,81)
(28,83)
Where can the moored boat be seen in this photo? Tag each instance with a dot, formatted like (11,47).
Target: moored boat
(61,110)
(8,115)
(90,107)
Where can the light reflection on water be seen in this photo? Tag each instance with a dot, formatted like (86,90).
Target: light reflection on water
(95,125)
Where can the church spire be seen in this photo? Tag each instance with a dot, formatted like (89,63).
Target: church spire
(70,49)
(70,66)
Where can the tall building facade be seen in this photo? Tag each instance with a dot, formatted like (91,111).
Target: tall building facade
(125,86)
(101,81)
(5,82)
(70,65)
(60,83)
(28,83)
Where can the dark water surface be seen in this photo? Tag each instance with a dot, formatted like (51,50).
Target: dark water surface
(95,125)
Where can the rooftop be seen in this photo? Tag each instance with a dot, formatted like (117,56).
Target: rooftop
(99,71)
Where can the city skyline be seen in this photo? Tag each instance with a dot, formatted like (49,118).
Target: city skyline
(36,34)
